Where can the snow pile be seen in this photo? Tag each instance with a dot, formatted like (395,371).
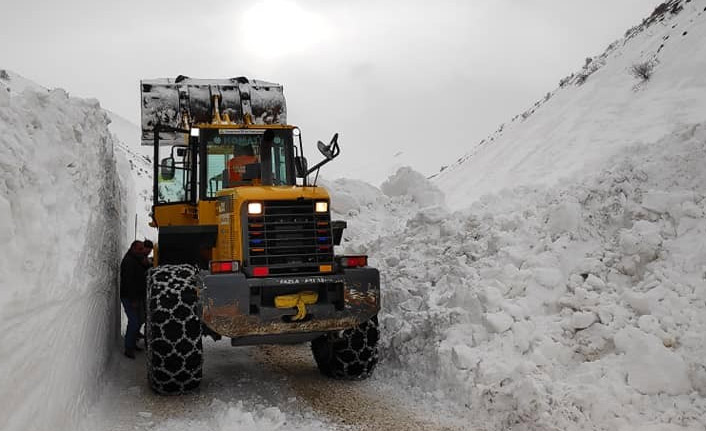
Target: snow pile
(407,182)
(236,417)
(60,226)
(581,306)
(351,195)
(15,84)
(375,214)
(596,112)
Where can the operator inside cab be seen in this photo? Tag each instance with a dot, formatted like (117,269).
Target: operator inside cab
(246,160)
(243,155)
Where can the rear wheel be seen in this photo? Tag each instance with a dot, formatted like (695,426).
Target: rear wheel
(351,354)
(173,330)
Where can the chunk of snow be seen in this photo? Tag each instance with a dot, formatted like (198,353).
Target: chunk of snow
(463,357)
(595,282)
(499,322)
(564,217)
(652,368)
(409,182)
(583,319)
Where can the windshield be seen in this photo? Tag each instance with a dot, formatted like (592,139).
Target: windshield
(242,157)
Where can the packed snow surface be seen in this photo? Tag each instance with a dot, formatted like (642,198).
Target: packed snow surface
(60,228)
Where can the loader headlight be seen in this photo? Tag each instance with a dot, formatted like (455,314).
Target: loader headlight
(255,208)
(195,132)
(321,206)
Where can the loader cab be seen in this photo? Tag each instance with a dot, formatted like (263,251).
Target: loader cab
(216,158)
(245,157)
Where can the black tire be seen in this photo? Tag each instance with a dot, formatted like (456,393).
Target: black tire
(349,355)
(173,330)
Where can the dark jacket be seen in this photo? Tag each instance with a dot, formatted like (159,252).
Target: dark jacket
(133,277)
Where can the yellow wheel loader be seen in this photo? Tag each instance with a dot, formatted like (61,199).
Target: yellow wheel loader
(246,243)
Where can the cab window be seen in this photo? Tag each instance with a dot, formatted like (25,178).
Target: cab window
(237,157)
(173,181)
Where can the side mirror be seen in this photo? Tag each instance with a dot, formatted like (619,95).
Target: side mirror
(166,168)
(324,149)
(301,166)
(331,150)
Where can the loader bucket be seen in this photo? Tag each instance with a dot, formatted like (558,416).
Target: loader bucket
(184,102)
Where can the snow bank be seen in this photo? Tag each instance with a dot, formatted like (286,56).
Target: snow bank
(407,182)
(374,213)
(596,112)
(580,306)
(351,195)
(137,173)
(60,226)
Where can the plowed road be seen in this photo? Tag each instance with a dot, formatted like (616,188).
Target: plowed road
(255,379)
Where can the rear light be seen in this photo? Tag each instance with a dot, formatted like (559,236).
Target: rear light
(221,266)
(354,261)
(325,268)
(261,271)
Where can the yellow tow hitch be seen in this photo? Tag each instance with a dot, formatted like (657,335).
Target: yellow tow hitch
(299,300)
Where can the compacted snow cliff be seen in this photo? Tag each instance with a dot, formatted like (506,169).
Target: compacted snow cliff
(61,236)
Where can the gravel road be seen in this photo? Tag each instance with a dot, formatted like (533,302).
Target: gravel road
(254,379)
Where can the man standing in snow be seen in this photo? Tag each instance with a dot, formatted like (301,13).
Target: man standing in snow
(147,247)
(133,286)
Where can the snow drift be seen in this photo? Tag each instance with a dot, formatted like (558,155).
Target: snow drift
(60,226)
(573,307)
(597,111)
(569,290)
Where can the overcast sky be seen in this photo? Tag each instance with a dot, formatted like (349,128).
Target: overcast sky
(404,82)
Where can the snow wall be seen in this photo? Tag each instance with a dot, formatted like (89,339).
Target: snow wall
(60,227)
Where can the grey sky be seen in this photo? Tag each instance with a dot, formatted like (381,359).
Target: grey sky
(421,78)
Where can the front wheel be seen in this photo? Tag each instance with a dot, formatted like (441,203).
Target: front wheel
(173,330)
(349,355)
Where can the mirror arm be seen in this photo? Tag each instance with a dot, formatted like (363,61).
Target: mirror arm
(318,165)
(335,151)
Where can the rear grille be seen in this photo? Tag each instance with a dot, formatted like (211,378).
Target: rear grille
(289,237)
